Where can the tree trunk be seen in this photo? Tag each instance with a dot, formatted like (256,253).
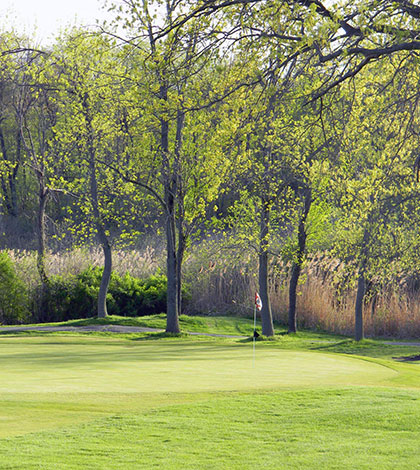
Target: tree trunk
(361,289)
(172,314)
(13,175)
(358,310)
(173,194)
(180,257)
(297,264)
(42,202)
(40,262)
(102,310)
(266,316)
(294,278)
(6,195)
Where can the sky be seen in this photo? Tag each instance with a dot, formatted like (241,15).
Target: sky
(45,18)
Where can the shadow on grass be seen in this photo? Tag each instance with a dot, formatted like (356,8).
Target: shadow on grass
(156,336)
(332,346)
(263,339)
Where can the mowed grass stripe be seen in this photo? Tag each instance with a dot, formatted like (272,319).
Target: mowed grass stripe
(362,428)
(99,402)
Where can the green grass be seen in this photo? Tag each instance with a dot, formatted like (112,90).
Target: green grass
(306,401)
(369,348)
(202,324)
(328,429)
(241,326)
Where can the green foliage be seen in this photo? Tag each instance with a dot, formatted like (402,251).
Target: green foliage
(128,296)
(13,294)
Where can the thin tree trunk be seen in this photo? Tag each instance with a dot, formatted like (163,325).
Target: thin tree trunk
(172,314)
(297,264)
(5,195)
(13,176)
(40,262)
(5,191)
(361,288)
(266,315)
(180,258)
(42,203)
(180,118)
(102,310)
(358,310)
(294,278)
(173,192)
(13,192)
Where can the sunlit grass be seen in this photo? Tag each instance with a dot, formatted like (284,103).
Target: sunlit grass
(148,401)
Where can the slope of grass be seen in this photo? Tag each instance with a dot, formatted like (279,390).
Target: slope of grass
(145,401)
(202,324)
(328,429)
(241,326)
(369,348)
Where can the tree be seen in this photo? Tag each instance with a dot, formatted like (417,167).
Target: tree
(36,115)
(181,133)
(375,181)
(316,131)
(260,207)
(344,37)
(15,57)
(91,133)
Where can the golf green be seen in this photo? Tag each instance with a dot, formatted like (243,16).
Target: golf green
(80,365)
(72,402)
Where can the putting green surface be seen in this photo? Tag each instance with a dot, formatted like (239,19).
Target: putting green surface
(73,402)
(73,364)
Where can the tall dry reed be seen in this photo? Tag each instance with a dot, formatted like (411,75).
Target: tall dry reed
(140,264)
(325,301)
(224,283)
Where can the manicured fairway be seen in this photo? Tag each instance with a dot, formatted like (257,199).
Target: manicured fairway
(100,402)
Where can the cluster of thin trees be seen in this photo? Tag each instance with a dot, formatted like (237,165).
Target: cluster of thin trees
(303,116)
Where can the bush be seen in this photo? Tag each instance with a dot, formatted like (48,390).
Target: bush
(13,294)
(76,296)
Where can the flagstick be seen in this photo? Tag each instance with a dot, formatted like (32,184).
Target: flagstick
(253,340)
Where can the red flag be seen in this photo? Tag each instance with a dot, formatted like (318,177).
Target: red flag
(258,303)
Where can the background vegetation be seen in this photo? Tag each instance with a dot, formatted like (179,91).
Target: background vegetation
(234,148)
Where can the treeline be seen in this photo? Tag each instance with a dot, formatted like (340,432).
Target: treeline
(285,128)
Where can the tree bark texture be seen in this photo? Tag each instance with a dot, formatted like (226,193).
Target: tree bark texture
(13,175)
(361,287)
(9,193)
(172,314)
(181,209)
(298,261)
(174,225)
(180,257)
(42,203)
(358,310)
(43,195)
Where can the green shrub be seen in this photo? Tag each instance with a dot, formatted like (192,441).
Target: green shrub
(13,293)
(68,299)
(76,296)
